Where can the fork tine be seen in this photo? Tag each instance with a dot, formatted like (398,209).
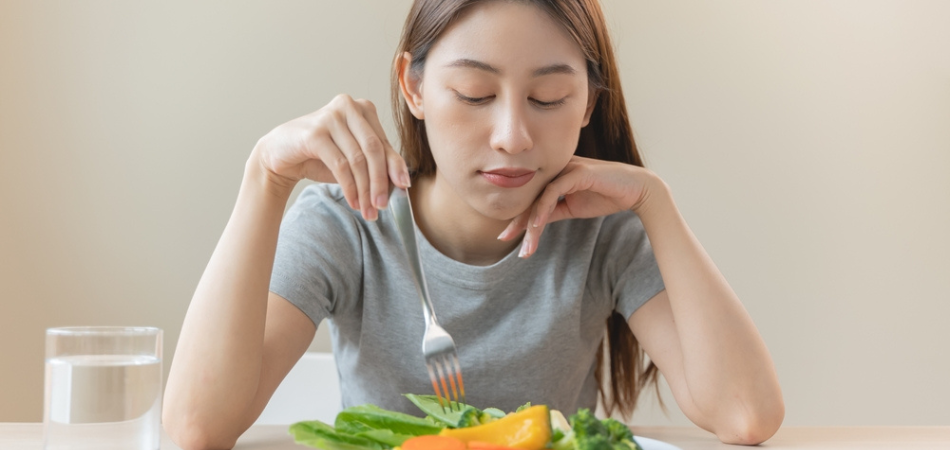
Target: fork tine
(452,374)
(442,372)
(458,373)
(435,385)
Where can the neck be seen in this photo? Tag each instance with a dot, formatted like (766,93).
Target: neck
(454,228)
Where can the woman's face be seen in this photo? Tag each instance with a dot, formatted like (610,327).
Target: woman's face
(504,95)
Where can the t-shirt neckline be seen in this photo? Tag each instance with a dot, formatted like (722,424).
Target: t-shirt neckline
(438,265)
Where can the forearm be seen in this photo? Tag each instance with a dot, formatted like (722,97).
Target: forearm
(217,364)
(727,367)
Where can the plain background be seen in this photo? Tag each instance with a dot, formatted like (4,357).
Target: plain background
(807,144)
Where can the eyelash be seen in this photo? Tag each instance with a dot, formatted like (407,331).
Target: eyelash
(481,100)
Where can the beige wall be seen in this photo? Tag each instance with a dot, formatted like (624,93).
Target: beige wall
(807,143)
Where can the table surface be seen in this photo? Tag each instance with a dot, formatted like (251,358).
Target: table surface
(29,436)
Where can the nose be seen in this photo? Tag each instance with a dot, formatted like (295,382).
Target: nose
(510,133)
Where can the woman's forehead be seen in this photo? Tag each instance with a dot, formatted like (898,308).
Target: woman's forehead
(507,37)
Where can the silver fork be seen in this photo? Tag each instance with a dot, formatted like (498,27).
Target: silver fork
(438,348)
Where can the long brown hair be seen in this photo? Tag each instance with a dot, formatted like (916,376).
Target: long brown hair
(607,136)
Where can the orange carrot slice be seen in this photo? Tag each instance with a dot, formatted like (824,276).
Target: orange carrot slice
(433,442)
(479,445)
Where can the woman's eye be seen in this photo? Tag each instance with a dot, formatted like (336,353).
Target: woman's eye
(472,100)
(552,104)
(482,100)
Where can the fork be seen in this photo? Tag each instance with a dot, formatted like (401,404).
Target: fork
(438,348)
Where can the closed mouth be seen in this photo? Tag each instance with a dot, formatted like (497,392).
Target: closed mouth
(508,178)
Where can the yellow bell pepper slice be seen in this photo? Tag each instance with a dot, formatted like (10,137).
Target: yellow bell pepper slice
(529,429)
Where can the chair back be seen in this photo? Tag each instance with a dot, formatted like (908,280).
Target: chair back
(311,391)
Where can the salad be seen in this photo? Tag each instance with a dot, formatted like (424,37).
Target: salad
(464,427)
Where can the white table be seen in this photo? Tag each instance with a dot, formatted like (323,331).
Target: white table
(29,436)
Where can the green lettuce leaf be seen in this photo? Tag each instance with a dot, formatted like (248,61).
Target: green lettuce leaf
(358,419)
(317,434)
(494,413)
(459,415)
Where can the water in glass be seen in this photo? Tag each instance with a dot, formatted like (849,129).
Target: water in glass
(110,401)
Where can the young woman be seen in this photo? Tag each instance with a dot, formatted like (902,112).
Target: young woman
(541,234)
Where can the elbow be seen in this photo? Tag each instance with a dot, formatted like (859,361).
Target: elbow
(754,427)
(191,434)
(191,437)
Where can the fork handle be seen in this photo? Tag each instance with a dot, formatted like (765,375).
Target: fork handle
(402,212)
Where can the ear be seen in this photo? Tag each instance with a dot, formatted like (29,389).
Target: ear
(410,84)
(591,103)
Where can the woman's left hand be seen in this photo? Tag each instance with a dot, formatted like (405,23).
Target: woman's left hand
(585,188)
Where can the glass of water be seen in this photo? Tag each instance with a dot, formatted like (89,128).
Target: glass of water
(103,388)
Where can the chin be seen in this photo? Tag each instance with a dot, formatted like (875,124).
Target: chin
(504,206)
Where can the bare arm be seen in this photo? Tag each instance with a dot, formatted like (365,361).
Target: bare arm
(239,341)
(702,338)
(696,331)
(219,382)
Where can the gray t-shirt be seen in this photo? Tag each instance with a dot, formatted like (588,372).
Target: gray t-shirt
(526,330)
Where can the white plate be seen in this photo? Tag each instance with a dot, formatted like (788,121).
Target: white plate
(653,444)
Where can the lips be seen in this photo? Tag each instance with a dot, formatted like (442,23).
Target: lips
(508,177)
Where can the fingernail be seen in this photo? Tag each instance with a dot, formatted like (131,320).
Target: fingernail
(537,221)
(503,234)
(524,250)
(369,214)
(381,201)
(405,180)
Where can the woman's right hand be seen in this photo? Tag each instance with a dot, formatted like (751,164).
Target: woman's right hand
(342,143)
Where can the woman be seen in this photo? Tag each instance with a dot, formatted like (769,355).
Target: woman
(538,224)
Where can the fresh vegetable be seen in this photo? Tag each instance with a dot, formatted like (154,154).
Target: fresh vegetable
(529,429)
(386,427)
(479,445)
(365,427)
(620,435)
(369,427)
(589,433)
(320,435)
(457,415)
(433,443)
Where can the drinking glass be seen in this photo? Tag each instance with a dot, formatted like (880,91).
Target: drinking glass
(103,388)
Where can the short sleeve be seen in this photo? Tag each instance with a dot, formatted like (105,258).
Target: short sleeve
(630,272)
(318,261)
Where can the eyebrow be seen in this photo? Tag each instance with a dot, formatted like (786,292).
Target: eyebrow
(546,70)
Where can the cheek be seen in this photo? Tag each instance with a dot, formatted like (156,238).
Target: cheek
(445,117)
(452,128)
(561,130)
(562,127)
